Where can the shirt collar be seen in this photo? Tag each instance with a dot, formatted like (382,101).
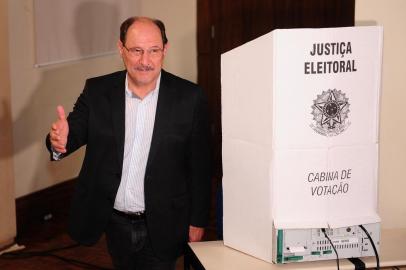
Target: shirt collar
(154,91)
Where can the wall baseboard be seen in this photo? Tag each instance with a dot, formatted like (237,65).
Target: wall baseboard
(46,204)
(4,245)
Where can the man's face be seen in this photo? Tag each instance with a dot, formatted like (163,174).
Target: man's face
(143,54)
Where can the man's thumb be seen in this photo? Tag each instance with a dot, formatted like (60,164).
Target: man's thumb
(61,113)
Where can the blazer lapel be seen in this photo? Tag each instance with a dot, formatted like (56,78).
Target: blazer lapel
(162,115)
(117,97)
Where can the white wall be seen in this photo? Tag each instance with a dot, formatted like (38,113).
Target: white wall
(392,181)
(37,91)
(7,203)
(180,18)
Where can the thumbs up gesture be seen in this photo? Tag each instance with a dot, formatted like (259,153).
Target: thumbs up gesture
(59,131)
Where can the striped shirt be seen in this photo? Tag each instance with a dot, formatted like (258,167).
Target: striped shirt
(139,124)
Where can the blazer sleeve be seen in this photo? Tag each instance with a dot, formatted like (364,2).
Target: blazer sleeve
(199,163)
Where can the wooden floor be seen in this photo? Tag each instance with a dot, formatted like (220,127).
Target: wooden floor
(50,235)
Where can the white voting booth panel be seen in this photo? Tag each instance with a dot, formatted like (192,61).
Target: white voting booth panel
(300,122)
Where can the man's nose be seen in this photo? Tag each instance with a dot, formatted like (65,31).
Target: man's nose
(145,59)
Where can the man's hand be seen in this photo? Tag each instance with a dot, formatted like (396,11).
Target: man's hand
(59,131)
(195,233)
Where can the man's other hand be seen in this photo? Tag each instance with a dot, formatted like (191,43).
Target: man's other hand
(195,233)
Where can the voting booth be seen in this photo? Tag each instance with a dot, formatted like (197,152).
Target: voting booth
(300,121)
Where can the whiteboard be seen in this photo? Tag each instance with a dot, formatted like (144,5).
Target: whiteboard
(78,29)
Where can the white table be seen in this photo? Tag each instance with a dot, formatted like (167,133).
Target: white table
(213,255)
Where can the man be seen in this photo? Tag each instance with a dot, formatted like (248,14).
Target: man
(145,178)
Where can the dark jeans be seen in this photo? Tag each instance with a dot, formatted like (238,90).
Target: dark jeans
(129,246)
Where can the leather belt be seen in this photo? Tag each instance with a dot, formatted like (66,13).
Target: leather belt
(131,216)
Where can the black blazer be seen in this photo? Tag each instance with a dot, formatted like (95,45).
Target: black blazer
(177,177)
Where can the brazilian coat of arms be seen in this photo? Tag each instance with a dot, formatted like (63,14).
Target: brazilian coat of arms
(330,113)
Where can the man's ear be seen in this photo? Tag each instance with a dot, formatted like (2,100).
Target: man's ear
(166,46)
(120,47)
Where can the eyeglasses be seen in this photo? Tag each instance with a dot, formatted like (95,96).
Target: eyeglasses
(152,52)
